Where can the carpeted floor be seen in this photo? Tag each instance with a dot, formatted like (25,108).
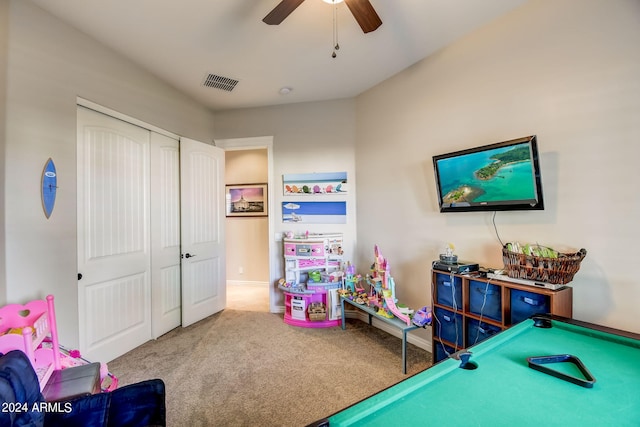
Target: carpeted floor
(248,297)
(241,368)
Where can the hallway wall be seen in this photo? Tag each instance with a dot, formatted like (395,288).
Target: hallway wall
(247,237)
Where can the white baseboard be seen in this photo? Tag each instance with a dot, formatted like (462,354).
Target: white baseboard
(247,283)
(361,315)
(411,338)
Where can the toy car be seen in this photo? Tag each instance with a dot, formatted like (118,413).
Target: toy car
(423,317)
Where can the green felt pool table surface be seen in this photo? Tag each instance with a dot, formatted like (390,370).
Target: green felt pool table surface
(504,390)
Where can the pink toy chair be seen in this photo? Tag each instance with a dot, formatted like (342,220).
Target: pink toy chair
(32,329)
(25,327)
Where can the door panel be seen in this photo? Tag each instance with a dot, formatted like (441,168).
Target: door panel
(165,234)
(102,297)
(203,214)
(113,235)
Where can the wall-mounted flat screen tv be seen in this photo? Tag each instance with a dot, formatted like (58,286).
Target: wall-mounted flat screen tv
(496,177)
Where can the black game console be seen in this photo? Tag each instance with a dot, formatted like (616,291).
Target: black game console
(460,267)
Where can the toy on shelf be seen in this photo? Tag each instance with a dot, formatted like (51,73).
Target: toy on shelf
(382,289)
(351,280)
(385,300)
(404,309)
(423,317)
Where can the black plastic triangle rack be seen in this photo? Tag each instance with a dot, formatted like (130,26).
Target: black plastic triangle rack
(539,364)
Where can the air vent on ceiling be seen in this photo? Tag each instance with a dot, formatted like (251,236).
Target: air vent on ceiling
(219,82)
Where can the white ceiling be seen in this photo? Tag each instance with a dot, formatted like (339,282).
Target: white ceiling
(182,41)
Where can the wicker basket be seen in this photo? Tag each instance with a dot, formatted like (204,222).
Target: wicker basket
(548,270)
(317,312)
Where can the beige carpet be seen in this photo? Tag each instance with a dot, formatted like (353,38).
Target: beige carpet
(241,368)
(248,297)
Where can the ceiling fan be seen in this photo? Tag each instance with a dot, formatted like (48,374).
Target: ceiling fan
(362,10)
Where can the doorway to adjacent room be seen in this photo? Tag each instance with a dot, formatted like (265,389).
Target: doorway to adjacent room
(249,247)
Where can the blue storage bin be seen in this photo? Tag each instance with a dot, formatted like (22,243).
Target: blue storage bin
(448,326)
(479,331)
(525,304)
(485,300)
(440,351)
(448,290)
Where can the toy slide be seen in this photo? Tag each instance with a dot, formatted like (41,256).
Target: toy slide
(391,305)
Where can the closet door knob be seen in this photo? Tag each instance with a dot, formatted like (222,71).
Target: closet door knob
(188,255)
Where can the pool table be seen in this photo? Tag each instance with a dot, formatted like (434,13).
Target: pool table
(504,390)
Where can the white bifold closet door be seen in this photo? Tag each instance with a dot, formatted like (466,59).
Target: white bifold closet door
(166,292)
(136,195)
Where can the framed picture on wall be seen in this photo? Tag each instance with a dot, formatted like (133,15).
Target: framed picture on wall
(246,200)
(317,184)
(315,212)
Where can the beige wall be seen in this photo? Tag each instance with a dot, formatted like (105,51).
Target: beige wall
(307,137)
(4,56)
(566,70)
(247,237)
(49,66)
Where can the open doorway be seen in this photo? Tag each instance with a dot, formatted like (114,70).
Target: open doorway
(248,247)
(247,297)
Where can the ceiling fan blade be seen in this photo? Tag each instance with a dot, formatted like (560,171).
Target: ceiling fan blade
(365,14)
(281,11)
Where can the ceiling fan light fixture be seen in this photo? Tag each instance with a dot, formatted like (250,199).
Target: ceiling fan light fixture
(362,11)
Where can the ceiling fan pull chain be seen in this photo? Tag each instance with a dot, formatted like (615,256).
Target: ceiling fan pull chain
(336,46)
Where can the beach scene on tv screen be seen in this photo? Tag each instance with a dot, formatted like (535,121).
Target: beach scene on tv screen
(493,176)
